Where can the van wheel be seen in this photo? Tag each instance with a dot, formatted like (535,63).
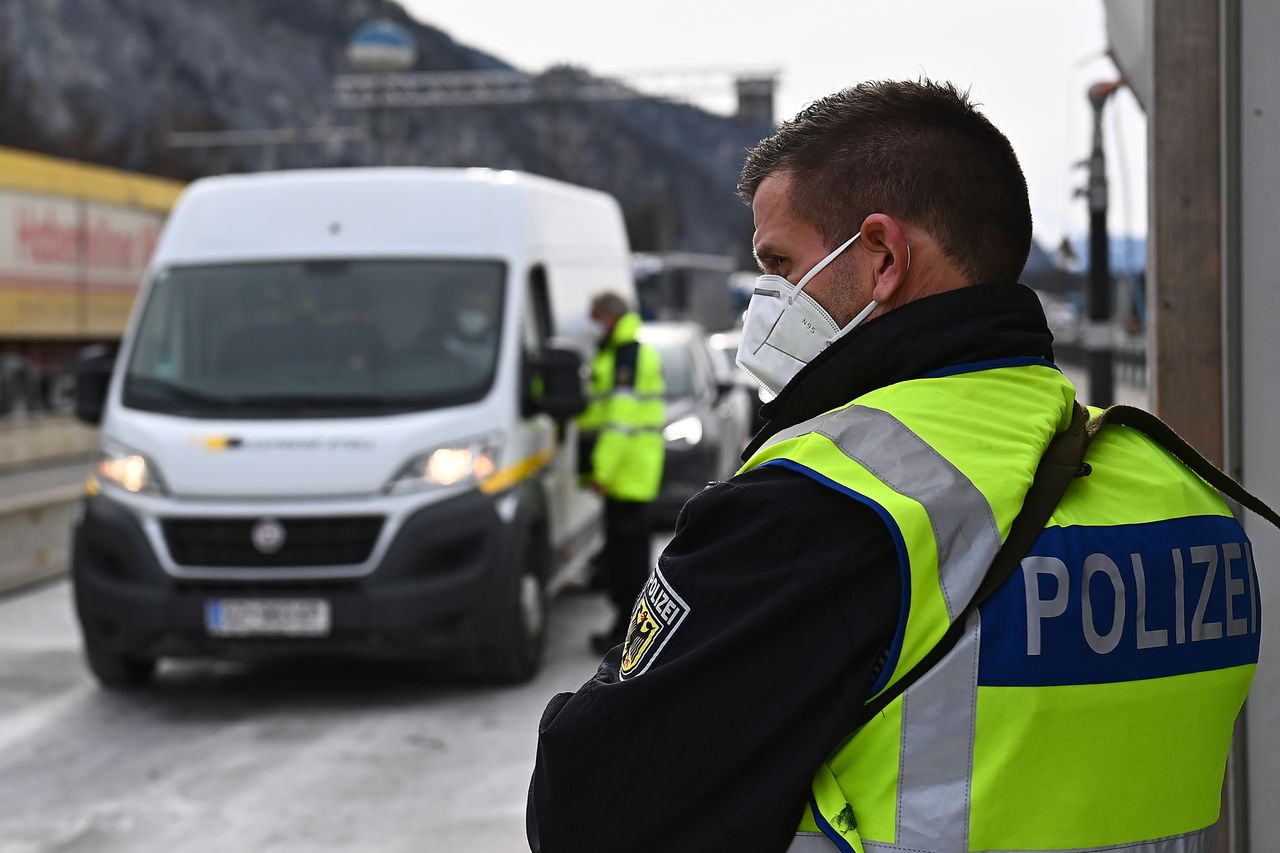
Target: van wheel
(523,626)
(117,670)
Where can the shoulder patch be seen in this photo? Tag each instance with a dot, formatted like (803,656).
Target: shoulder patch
(657,614)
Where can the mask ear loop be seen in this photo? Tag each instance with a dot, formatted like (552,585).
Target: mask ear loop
(871,306)
(819,267)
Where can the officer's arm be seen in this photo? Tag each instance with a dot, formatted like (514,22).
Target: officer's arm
(754,646)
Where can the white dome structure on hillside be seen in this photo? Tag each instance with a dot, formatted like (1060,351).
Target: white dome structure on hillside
(382,46)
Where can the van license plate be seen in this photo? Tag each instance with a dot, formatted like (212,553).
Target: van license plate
(267,617)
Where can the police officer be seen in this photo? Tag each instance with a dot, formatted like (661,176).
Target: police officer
(622,430)
(1087,705)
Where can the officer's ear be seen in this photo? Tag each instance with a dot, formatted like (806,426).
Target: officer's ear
(886,241)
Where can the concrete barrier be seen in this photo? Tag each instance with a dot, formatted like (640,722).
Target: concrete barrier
(35,531)
(41,440)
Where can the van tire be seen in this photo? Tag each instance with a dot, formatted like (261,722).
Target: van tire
(117,670)
(522,623)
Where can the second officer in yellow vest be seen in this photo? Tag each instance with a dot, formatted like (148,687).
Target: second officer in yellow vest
(622,431)
(1087,705)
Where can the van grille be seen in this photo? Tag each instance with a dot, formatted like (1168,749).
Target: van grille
(310,541)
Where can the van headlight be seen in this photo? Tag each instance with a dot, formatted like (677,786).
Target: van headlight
(686,430)
(459,463)
(129,470)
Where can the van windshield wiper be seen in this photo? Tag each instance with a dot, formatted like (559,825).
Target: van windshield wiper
(333,401)
(177,393)
(149,392)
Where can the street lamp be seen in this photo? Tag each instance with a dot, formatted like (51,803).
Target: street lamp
(1099,337)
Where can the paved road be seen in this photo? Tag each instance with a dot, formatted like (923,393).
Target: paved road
(314,757)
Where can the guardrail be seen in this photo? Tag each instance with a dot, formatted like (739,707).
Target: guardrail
(36,531)
(1129,360)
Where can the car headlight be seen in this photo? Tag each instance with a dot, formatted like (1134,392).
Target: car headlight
(129,470)
(459,463)
(687,430)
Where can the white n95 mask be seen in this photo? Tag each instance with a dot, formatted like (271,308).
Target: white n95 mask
(785,328)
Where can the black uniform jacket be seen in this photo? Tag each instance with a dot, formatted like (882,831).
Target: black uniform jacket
(771,611)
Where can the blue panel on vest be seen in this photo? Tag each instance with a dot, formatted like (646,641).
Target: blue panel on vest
(1164,598)
(975,366)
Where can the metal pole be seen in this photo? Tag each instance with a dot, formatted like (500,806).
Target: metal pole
(1235,805)
(1099,339)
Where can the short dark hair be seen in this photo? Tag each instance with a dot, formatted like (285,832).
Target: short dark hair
(919,151)
(609,303)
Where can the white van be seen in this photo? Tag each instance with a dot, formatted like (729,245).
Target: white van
(338,421)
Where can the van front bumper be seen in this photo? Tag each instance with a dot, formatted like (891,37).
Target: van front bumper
(437,588)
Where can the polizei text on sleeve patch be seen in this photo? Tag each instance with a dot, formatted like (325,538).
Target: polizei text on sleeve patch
(655,618)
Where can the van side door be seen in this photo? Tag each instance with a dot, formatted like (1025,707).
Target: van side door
(575,514)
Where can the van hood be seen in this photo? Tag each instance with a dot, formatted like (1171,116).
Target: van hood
(341,457)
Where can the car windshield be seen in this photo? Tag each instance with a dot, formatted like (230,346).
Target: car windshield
(677,368)
(728,360)
(317,339)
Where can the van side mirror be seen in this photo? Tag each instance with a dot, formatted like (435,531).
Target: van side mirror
(558,387)
(93,376)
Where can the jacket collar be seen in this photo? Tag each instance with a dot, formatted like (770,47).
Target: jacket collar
(624,331)
(962,328)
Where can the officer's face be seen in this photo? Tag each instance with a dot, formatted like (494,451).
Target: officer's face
(788,245)
(603,321)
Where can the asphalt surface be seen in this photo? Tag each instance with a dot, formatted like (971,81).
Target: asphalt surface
(300,756)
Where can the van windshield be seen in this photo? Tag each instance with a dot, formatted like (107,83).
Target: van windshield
(317,339)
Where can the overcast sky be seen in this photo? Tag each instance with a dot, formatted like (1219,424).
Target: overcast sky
(1027,61)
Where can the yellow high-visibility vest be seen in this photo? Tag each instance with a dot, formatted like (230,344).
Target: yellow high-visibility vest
(626,415)
(1090,702)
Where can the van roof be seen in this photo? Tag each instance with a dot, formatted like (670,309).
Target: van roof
(386,212)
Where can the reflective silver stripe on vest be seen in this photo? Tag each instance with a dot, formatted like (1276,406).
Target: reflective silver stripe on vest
(802,428)
(963,525)
(627,429)
(627,393)
(936,758)
(939,711)
(812,842)
(1201,841)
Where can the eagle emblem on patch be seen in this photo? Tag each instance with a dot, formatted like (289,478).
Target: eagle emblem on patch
(657,613)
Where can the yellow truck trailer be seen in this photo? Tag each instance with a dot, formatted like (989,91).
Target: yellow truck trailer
(75,240)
